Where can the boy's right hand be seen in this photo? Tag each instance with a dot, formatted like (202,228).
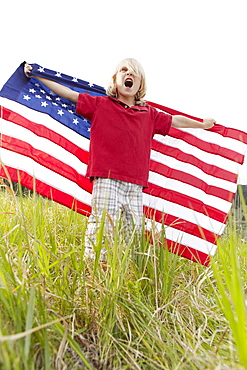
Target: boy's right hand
(27,69)
(57,88)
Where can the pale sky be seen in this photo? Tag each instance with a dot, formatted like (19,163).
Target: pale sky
(193,51)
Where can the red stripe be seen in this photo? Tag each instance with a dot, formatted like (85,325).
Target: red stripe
(191,159)
(46,160)
(182,250)
(43,131)
(180,224)
(206,146)
(230,132)
(45,190)
(173,111)
(222,130)
(188,252)
(191,180)
(186,201)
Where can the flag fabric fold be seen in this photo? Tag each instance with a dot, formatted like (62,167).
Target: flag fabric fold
(193,172)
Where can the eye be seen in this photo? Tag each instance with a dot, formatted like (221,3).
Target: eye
(124,69)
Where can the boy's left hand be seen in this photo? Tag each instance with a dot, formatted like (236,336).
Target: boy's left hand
(208,123)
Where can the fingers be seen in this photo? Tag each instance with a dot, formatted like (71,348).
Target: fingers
(212,121)
(209,120)
(208,123)
(27,69)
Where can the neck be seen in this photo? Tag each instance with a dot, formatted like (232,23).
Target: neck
(130,101)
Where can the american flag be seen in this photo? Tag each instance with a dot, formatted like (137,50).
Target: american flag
(193,172)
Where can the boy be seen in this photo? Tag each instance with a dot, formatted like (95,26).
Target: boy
(122,129)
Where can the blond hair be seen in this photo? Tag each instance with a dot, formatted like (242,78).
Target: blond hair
(136,69)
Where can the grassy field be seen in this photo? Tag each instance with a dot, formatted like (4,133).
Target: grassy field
(151,310)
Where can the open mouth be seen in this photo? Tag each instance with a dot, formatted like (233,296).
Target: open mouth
(128,82)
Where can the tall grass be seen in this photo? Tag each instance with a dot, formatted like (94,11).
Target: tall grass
(231,277)
(145,309)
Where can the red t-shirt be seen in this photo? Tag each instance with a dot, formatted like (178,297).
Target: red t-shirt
(121,137)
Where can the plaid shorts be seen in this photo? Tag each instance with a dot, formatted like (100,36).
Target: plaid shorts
(117,199)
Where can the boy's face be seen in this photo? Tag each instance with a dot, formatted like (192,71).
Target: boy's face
(127,83)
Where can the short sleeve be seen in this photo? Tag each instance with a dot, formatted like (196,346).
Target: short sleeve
(162,122)
(87,105)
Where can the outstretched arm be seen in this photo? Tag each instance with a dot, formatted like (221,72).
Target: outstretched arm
(61,90)
(184,122)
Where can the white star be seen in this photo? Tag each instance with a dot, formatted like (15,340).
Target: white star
(75,121)
(32,91)
(74,79)
(70,111)
(38,97)
(48,97)
(90,84)
(58,74)
(85,120)
(41,69)
(60,112)
(54,103)
(42,91)
(58,99)
(44,104)
(88,130)
(26,97)
(64,105)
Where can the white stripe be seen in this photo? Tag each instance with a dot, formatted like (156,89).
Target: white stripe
(212,159)
(45,145)
(191,241)
(193,170)
(182,213)
(218,139)
(47,121)
(178,236)
(191,191)
(45,175)
(212,137)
